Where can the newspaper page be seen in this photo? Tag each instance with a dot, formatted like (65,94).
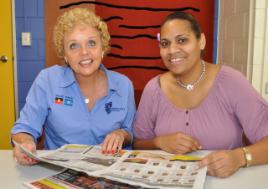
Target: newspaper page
(157,171)
(148,169)
(78,157)
(71,179)
(82,158)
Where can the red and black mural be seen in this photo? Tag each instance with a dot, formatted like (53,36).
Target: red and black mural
(133,26)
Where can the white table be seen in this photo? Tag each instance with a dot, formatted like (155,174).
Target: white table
(13,175)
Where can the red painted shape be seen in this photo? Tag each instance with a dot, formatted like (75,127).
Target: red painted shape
(145,46)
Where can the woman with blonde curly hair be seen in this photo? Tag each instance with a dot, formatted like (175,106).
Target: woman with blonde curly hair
(81,102)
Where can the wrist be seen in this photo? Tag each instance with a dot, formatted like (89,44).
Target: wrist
(157,142)
(247,157)
(241,157)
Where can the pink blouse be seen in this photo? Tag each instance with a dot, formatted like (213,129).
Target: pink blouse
(232,106)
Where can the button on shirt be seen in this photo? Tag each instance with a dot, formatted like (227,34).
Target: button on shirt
(56,106)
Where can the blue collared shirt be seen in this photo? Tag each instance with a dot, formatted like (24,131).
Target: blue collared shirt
(55,106)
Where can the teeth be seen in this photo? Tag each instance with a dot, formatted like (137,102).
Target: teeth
(84,62)
(175,60)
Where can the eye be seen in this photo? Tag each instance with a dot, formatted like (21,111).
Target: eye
(73,46)
(91,43)
(164,44)
(182,40)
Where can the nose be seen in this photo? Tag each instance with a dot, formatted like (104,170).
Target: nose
(84,50)
(174,47)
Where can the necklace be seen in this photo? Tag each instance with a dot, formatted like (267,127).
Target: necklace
(191,86)
(86,100)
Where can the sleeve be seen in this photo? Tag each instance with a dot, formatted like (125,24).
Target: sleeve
(34,113)
(131,109)
(251,110)
(145,119)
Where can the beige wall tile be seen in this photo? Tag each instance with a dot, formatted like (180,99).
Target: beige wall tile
(242,6)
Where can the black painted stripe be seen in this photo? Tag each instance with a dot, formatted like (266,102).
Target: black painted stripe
(113,18)
(134,57)
(134,37)
(138,27)
(129,7)
(116,46)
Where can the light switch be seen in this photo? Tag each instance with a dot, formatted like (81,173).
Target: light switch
(26,39)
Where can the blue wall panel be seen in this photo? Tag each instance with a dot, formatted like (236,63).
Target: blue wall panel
(30,59)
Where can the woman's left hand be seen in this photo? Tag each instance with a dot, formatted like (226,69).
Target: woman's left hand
(223,163)
(113,142)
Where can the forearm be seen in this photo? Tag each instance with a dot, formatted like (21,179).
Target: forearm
(146,144)
(259,151)
(22,137)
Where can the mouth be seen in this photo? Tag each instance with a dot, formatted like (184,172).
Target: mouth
(86,62)
(176,60)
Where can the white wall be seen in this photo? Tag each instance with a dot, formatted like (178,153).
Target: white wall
(260,51)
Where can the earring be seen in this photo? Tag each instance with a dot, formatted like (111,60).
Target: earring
(65,61)
(102,55)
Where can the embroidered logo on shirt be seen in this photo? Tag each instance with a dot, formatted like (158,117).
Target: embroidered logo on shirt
(58,100)
(109,108)
(66,100)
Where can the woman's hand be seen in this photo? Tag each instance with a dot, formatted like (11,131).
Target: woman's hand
(114,141)
(177,143)
(223,163)
(21,157)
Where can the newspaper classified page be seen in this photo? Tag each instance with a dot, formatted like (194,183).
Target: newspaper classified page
(157,171)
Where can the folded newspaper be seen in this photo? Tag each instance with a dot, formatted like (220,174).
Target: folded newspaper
(146,169)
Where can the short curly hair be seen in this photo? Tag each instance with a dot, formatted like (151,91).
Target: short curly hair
(67,22)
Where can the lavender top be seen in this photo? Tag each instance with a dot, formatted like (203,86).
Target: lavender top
(231,107)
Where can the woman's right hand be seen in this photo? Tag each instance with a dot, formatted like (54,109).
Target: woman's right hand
(178,143)
(21,157)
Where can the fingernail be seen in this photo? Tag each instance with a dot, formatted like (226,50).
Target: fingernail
(112,151)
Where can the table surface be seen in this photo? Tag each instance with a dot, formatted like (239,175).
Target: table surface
(13,175)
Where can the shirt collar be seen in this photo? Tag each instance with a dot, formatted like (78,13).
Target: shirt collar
(112,82)
(68,79)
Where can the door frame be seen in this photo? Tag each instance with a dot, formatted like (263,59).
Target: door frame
(15,72)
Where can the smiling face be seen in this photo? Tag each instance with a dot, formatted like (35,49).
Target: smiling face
(180,49)
(83,50)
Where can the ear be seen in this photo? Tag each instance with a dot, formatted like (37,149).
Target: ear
(202,41)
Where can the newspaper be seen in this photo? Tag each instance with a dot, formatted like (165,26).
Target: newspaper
(147,169)
(71,179)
